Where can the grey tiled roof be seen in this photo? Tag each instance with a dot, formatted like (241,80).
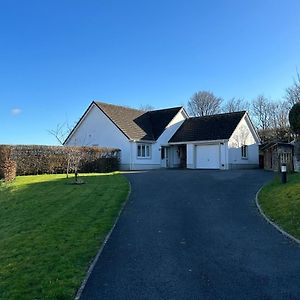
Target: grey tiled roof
(137,124)
(207,128)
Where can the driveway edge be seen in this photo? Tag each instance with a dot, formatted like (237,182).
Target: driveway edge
(271,222)
(92,265)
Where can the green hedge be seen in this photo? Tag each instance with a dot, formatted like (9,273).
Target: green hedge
(40,159)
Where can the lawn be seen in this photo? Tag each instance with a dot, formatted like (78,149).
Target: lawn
(50,230)
(281,203)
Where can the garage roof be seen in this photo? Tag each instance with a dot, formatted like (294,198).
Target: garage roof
(207,128)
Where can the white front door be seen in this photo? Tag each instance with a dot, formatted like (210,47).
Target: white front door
(208,157)
(167,149)
(165,157)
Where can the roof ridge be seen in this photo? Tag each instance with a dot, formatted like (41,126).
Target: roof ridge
(132,108)
(219,114)
(168,108)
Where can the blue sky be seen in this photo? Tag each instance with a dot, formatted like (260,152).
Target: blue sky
(58,56)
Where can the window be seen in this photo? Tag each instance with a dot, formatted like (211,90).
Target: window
(162,153)
(244,150)
(143,151)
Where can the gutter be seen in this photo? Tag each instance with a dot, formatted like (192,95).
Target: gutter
(199,142)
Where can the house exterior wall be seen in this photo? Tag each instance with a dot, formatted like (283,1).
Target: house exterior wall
(190,156)
(154,161)
(224,156)
(243,135)
(96,129)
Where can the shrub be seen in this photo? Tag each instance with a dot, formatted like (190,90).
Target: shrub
(294,118)
(7,165)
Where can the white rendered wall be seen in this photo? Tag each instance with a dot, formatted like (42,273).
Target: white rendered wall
(190,156)
(224,156)
(243,135)
(96,129)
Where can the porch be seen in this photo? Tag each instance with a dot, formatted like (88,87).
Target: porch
(173,156)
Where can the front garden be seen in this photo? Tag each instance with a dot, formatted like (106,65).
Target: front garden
(281,203)
(50,230)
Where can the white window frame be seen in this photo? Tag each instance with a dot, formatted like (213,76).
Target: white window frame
(144,152)
(244,151)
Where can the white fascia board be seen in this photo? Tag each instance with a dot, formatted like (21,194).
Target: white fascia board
(200,142)
(184,111)
(250,125)
(252,128)
(80,122)
(181,110)
(142,141)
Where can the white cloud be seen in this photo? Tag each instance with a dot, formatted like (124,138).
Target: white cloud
(16,111)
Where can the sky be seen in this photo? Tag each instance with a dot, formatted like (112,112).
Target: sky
(58,56)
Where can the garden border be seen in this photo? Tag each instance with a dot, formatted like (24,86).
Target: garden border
(277,227)
(94,261)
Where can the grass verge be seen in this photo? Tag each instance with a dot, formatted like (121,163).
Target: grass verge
(281,203)
(51,230)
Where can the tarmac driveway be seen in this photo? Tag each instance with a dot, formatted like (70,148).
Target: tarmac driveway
(195,235)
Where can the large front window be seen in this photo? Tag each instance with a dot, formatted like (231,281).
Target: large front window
(143,151)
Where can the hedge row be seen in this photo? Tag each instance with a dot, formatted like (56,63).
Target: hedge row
(39,159)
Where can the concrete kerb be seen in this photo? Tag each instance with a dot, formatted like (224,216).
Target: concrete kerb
(271,222)
(92,265)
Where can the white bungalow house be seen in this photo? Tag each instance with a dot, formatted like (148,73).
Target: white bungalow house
(169,138)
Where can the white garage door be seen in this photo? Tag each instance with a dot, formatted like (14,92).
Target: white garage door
(208,157)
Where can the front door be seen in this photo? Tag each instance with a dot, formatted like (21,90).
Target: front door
(167,149)
(165,157)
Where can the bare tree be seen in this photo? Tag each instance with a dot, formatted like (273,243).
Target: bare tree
(146,107)
(60,132)
(293,92)
(271,119)
(204,103)
(74,155)
(279,121)
(235,104)
(279,112)
(261,111)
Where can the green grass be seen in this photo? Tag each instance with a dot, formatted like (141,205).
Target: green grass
(50,231)
(281,203)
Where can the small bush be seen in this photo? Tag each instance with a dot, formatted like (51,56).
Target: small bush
(8,170)
(7,165)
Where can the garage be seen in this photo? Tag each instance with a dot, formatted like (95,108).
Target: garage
(208,156)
